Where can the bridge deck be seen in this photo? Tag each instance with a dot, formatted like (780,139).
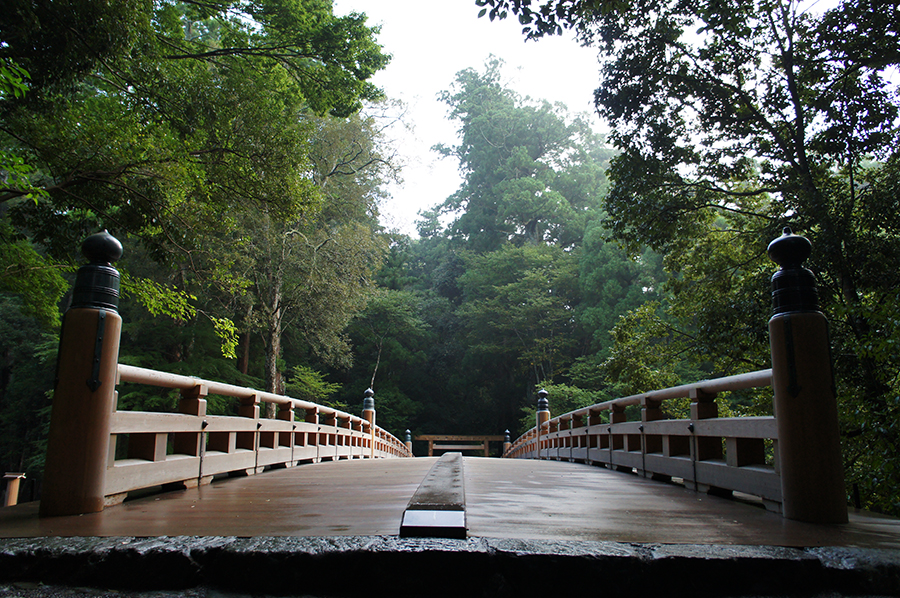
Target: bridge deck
(505,499)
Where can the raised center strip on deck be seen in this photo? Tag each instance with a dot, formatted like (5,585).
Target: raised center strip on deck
(438,507)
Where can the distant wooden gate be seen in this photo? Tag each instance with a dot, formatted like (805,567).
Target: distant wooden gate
(443,439)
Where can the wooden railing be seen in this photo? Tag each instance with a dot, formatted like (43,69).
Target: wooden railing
(800,474)
(190,447)
(707,452)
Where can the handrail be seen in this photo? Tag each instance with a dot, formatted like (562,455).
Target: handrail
(138,375)
(688,449)
(757,379)
(190,447)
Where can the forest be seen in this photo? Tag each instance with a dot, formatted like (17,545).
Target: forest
(237,150)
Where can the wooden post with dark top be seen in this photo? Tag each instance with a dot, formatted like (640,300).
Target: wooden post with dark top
(542,416)
(369,415)
(812,476)
(84,396)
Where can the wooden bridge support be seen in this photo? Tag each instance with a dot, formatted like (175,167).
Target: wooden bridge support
(812,476)
(84,396)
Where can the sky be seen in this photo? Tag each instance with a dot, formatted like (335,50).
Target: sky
(431,41)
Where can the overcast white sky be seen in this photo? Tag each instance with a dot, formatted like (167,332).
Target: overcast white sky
(430,42)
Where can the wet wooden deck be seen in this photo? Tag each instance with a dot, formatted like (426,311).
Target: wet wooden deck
(538,500)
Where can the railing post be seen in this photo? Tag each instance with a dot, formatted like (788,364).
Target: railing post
(11,497)
(812,477)
(506,443)
(369,415)
(84,396)
(542,417)
(409,441)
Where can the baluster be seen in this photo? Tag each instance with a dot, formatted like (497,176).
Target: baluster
(651,410)
(192,402)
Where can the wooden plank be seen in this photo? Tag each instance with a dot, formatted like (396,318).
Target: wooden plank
(128,422)
(737,427)
(215,462)
(132,474)
(756,480)
(273,456)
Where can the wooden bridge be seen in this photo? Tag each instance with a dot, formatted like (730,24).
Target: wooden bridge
(583,494)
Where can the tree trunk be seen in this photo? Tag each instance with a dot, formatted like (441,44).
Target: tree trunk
(273,349)
(244,354)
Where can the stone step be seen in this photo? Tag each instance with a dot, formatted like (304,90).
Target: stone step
(438,507)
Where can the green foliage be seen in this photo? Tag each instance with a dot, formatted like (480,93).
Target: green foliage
(28,273)
(158,298)
(147,118)
(27,360)
(307,384)
(228,332)
(12,79)
(550,17)
(519,304)
(646,352)
(532,172)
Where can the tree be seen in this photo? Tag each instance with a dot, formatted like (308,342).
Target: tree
(312,273)
(521,300)
(167,119)
(531,171)
(26,374)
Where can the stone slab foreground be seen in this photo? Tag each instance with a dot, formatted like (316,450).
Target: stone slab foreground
(437,509)
(392,566)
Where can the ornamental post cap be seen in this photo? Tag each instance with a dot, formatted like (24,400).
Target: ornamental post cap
(369,400)
(101,248)
(789,250)
(793,285)
(97,283)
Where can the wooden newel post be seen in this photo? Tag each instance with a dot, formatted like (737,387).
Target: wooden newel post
(84,396)
(12,488)
(812,475)
(507,444)
(542,417)
(369,415)
(408,441)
